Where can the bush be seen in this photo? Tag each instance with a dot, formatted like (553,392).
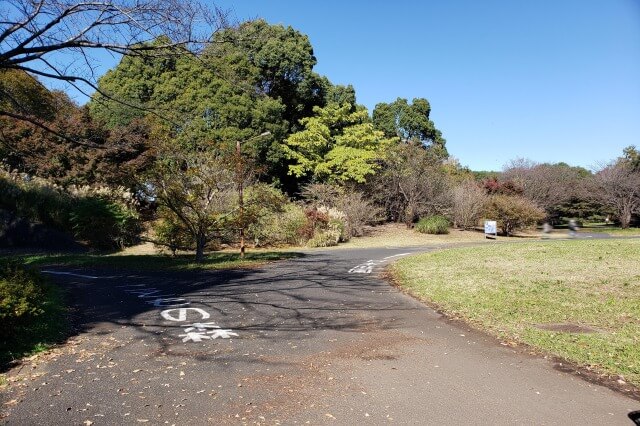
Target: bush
(324,225)
(21,297)
(172,233)
(327,238)
(433,225)
(280,228)
(353,209)
(513,212)
(104,224)
(104,221)
(36,203)
(359,212)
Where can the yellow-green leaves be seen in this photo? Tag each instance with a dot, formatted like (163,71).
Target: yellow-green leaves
(338,144)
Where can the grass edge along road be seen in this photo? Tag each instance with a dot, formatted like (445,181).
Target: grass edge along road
(159,262)
(578,299)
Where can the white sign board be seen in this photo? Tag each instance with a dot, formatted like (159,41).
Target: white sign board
(490,228)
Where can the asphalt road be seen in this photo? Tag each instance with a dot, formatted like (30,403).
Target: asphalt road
(320,339)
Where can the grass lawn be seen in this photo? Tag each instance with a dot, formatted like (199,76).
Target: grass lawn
(158,262)
(611,230)
(542,294)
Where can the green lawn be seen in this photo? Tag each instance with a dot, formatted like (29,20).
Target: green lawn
(514,290)
(216,260)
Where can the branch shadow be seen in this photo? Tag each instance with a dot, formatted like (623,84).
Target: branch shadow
(289,300)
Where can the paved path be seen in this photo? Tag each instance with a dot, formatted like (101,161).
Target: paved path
(319,339)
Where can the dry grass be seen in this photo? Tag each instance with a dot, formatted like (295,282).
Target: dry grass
(397,235)
(387,235)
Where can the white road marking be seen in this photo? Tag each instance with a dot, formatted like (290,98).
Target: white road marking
(196,332)
(72,274)
(144,292)
(396,255)
(182,314)
(367,268)
(361,269)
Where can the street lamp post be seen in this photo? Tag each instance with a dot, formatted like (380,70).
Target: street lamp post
(241,187)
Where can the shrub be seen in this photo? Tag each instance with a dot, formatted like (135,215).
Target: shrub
(36,202)
(513,212)
(327,238)
(280,228)
(355,211)
(316,220)
(172,234)
(99,216)
(359,212)
(337,222)
(104,224)
(21,296)
(433,225)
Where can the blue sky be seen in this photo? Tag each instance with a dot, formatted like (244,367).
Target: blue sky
(547,80)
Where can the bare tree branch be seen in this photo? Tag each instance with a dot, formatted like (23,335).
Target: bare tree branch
(33,34)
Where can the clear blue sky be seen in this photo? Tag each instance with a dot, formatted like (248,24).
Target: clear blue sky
(548,80)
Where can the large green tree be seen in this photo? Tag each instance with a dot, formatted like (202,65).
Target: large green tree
(632,157)
(410,123)
(274,60)
(254,78)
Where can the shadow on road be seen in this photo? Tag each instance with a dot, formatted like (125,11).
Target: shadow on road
(291,299)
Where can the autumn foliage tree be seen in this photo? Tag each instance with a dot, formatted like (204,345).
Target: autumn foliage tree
(554,187)
(113,156)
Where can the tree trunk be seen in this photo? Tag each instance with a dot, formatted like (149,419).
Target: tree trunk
(201,241)
(409,215)
(625,218)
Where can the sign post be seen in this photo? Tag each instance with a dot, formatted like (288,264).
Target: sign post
(491,229)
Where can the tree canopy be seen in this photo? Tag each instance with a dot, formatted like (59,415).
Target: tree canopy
(168,118)
(251,79)
(337,144)
(410,123)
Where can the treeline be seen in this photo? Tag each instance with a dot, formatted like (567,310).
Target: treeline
(245,139)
